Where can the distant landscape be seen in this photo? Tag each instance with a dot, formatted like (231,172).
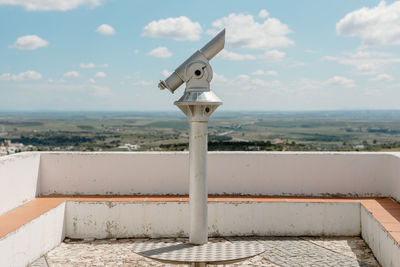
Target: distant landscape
(228,131)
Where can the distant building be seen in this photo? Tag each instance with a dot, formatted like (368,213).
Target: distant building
(11,148)
(3,151)
(130,147)
(277,141)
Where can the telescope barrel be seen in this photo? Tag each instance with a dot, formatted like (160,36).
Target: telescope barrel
(213,47)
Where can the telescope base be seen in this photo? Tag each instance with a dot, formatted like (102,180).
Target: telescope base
(216,253)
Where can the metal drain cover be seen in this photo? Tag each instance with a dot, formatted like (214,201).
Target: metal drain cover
(211,253)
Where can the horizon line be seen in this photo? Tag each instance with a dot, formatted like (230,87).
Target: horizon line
(178,111)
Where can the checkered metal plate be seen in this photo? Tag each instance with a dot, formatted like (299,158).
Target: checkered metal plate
(212,253)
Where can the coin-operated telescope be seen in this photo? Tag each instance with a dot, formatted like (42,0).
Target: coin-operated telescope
(198,103)
(197,67)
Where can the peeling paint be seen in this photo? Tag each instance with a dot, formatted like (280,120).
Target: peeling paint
(149,219)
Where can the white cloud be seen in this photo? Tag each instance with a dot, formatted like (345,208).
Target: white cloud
(341,81)
(49,5)
(245,83)
(228,55)
(29,42)
(310,86)
(166,73)
(366,62)
(240,86)
(71,74)
(180,28)
(136,51)
(56,81)
(242,31)
(259,72)
(143,83)
(100,91)
(382,78)
(375,26)
(275,55)
(262,72)
(258,83)
(160,52)
(242,78)
(219,78)
(100,74)
(272,73)
(91,80)
(263,14)
(27,75)
(92,65)
(105,29)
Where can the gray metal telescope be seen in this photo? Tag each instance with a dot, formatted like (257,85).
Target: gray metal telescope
(198,103)
(205,54)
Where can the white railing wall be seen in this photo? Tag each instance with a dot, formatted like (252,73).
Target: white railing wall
(395,173)
(18,180)
(253,173)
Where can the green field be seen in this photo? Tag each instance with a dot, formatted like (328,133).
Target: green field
(290,131)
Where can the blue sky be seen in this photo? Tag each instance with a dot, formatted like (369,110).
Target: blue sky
(279,55)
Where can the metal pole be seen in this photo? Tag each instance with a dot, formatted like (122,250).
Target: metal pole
(198,182)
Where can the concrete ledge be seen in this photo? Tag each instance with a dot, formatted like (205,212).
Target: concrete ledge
(34,238)
(380,224)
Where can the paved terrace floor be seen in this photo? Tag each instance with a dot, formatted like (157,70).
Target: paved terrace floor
(280,251)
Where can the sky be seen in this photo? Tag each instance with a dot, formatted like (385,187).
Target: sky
(109,55)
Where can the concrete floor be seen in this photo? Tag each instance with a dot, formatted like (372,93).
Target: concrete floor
(280,251)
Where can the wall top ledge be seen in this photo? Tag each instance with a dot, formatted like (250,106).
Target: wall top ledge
(24,154)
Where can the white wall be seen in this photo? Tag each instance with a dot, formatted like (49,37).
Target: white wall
(300,173)
(33,239)
(275,173)
(395,173)
(123,220)
(18,179)
(385,249)
(113,173)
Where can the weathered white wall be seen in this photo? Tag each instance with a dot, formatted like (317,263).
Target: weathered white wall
(300,173)
(395,173)
(122,220)
(34,239)
(125,219)
(267,173)
(385,249)
(18,179)
(114,173)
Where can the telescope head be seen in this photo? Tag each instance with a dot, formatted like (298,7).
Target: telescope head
(196,70)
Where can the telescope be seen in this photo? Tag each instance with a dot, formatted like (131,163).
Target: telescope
(196,70)
(198,103)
